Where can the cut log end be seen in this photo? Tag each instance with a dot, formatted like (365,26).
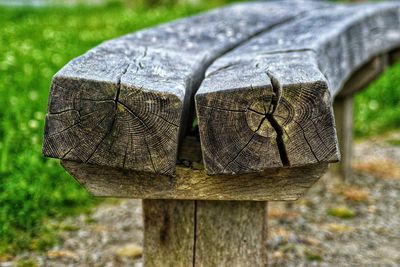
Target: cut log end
(306,118)
(254,129)
(234,128)
(103,124)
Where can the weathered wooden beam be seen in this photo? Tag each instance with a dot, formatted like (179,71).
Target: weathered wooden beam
(271,118)
(125,103)
(190,184)
(363,76)
(268,103)
(205,233)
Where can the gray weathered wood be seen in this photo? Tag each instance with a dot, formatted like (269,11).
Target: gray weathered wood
(363,76)
(276,184)
(124,103)
(268,103)
(168,233)
(231,233)
(115,115)
(343,107)
(205,233)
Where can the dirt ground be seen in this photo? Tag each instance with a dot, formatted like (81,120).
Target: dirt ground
(351,223)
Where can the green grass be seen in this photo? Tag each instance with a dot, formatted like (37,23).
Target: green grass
(377,109)
(34,44)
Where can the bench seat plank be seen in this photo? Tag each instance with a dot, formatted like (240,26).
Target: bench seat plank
(268,103)
(125,103)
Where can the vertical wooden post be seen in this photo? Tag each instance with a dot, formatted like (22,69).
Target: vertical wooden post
(343,106)
(344,125)
(205,233)
(231,233)
(168,232)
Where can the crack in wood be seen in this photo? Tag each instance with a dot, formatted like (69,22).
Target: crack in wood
(308,142)
(109,131)
(220,69)
(277,90)
(240,151)
(65,129)
(305,137)
(119,85)
(116,75)
(201,72)
(287,51)
(255,111)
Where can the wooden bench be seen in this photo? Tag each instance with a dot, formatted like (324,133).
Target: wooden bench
(261,77)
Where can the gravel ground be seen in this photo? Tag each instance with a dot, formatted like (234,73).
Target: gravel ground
(352,223)
(110,236)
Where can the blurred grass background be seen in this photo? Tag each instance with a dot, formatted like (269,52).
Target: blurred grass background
(34,44)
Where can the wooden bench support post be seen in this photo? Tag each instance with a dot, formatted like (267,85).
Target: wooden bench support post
(205,233)
(168,232)
(344,126)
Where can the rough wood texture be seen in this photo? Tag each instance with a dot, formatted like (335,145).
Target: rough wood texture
(268,103)
(124,103)
(344,125)
(231,233)
(360,78)
(276,184)
(271,118)
(343,108)
(205,233)
(168,232)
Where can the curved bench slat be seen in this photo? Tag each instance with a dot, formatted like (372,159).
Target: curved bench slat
(276,108)
(124,103)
